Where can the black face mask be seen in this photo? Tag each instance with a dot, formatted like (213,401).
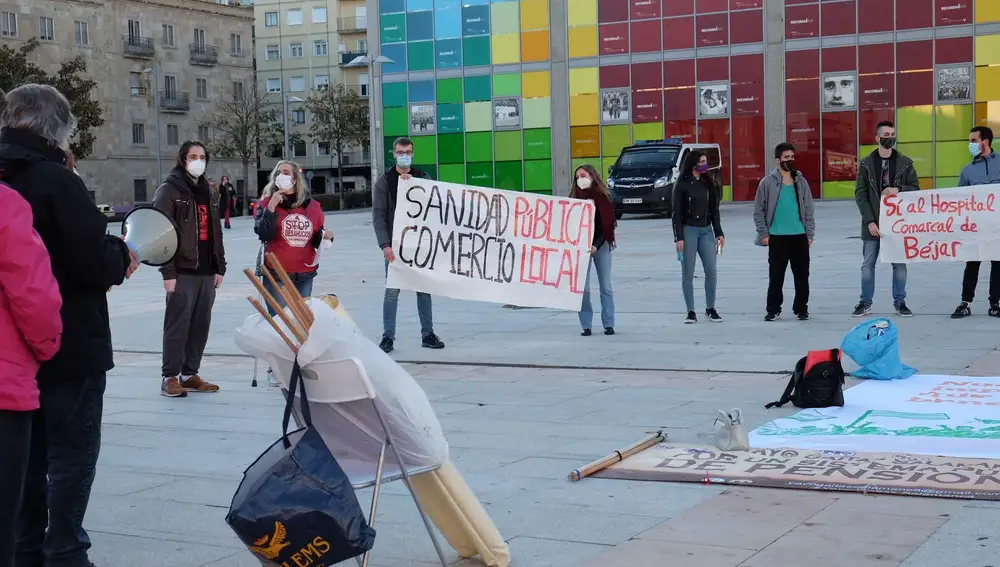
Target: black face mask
(789,166)
(887,143)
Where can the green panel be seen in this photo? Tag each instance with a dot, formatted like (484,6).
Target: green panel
(509,175)
(866,150)
(449,90)
(449,118)
(396,121)
(538,175)
(946,183)
(420,55)
(537,112)
(478,116)
(614,138)
(477,88)
(606,164)
(537,144)
(424,150)
(479,146)
(476,51)
(387,148)
(647,131)
(451,149)
(951,157)
(430,170)
(952,123)
(507,84)
(452,173)
(393,28)
(508,145)
(922,155)
(393,94)
(914,124)
(479,174)
(838,190)
(727,192)
(577,162)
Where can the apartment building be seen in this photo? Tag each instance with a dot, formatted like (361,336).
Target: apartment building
(180,56)
(303,45)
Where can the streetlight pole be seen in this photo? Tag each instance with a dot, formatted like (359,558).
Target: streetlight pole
(285,99)
(156,109)
(374,94)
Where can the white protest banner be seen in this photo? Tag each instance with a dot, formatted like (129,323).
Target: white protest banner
(490,245)
(943,225)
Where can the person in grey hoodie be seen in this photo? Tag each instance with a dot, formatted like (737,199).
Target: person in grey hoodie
(783,215)
(383,212)
(983,170)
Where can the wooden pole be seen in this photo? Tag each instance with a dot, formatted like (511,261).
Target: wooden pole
(617,456)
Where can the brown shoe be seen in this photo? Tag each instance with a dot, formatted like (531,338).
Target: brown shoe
(196,384)
(171,388)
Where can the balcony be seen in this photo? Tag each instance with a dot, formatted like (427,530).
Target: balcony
(202,54)
(354,158)
(173,101)
(139,91)
(348,56)
(360,90)
(138,47)
(357,24)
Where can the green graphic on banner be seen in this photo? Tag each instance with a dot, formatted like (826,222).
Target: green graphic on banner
(867,425)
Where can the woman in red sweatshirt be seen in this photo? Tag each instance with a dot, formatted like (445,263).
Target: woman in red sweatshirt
(30,333)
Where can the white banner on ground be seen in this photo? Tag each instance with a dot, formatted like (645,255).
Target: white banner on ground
(951,416)
(489,245)
(943,225)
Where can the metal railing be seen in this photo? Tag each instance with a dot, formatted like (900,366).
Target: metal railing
(139,91)
(355,24)
(173,101)
(140,47)
(202,54)
(348,56)
(351,158)
(361,90)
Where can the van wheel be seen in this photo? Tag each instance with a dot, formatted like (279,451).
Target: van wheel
(619,216)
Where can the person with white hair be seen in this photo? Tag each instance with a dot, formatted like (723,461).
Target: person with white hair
(36,126)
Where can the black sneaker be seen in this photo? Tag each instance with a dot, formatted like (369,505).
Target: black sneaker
(772,317)
(962,311)
(713,315)
(994,310)
(691,318)
(386,345)
(861,309)
(609,330)
(904,311)
(586,333)
(803,315)
(431,341)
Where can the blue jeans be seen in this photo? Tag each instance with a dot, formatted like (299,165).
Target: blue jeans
(870,252)
(303,283)
(699,241)
(390,304)
(602,261)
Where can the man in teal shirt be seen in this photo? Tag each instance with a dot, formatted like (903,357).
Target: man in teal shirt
(783,215)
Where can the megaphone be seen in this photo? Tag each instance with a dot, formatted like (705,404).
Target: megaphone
(151,235)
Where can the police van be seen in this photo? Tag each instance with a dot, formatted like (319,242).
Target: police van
(642,178)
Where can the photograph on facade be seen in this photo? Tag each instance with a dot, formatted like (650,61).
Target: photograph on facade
(713,100)
(954,84)
(506,113)
(422,119)
(840,91)
(616,107)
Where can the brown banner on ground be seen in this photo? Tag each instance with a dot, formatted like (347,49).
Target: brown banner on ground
(876,473)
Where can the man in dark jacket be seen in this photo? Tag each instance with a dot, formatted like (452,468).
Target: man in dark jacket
(883,172)
(383,211)
(35,128)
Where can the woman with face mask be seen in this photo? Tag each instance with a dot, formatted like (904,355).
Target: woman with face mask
(587,184)
(697,231)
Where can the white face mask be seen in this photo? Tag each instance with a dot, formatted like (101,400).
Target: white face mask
(583,183)
(283,181)
(196,168)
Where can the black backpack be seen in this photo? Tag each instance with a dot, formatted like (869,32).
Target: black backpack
(817,382)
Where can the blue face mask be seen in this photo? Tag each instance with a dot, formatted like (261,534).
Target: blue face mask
(975,149)
(403,160)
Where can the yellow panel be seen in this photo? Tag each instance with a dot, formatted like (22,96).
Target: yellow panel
(987,49)
(535,84)
(727,192)
(534,15)
(582,13)
(506,48)
(648,131)
(583,80)
(584,110)
(583,41)
(988,114)
(987,11)
(987,83)
(838,190)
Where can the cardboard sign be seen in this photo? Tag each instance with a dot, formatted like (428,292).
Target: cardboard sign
(943,225)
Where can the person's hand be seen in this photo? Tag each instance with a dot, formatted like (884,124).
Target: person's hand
(890,191)
(169,285)
(133,264)
(327,235)
(218,281)
(405,176)
(390,256)
(593,250)
(720,241)
(680,245)
(764,241)
(272,204)
(810,243)
(873,230)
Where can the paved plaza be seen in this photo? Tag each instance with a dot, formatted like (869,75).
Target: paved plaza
(524,400)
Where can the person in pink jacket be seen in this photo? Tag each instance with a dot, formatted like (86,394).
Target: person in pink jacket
(30,332)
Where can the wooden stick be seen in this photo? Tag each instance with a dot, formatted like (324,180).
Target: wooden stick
(301,307)
(286,296)
(617,456)
(273,303)
(274,324)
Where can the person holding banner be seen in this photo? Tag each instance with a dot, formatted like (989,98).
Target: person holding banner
(697,231)
(587,184)
(983,170)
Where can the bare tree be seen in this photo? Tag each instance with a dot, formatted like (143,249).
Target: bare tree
(339,118)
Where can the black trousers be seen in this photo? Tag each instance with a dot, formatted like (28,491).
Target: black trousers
(782,251)
(65,444)
(15,443)
(187,321)
(971,278)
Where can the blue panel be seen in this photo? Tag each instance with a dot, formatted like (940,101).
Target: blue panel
(419,5)
(448,53)
(396,52)
(476,20)
(422,91)
(391,6)
(476,2)
(419,26)
(448,21)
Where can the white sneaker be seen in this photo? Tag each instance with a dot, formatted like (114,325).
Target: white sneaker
(272,380)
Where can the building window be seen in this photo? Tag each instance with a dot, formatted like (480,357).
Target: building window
(8,24)
(235,44)
(295,17)
(199,38)
(46,29)
(296,84)
(168,35)
(299,148)
(172,135)
(319,15)
(274,85)
(135,83)
(134,31)
(299,116)
(170,86)
(201,88)
(321,82)
(238,90)
(320,48)
(138,133)
(139,190)
(363,89)
(82,33)
(295,50)
(270,19)
(323,149)
(203,133)
(363,45)
(271,52)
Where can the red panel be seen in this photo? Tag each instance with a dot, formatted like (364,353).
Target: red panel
(679,104)
(750,163)
(840,146)
(748,99)
(954,12)
(802,21)
(914,55)
(706,6)
(745,4)
(953,50)
(614,76)
(747,27)
(876,91)
(838,18)
(803,131)
(869,119)
(914,14)
(808,163)
(883,22)
(647,106)
(612,10)
(644,9)
(840,59)
(713,29)
(613,38)
(647,76)
(645,36)
(877,58)
(678,8)
(716,131)
(713,69)
(679,73)
(802,64)
(748,68)
(794,2)
(683,129)
(678,33)
(915,89)
(802,96)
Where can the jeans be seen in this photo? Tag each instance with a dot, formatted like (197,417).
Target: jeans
(303,284)
(782,251)
(971,278)
(187,321)
(390,304)
(870,251)
(15,443)
(602,261)
(65,443)
(699,241)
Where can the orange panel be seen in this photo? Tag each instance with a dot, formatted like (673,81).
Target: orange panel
(585,141)
(535,46)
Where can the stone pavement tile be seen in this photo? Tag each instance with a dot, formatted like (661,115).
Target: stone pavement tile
(536,444)
(852,526)
(973,522)
(196,523)
(564,411)
(753,518)
(510,397)
(177,461)
(647,553)
(534,552)
(118,550)
(654,499)
(861,504)
(238,559)
(952,550)
(484,459)
(246,424)
(571,522)
(115,482)
(577,429)
(822,550)
(205,491)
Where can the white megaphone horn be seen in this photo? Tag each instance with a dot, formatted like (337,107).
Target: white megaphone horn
(151,235)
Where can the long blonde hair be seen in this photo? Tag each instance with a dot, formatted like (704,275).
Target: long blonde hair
(299,184)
